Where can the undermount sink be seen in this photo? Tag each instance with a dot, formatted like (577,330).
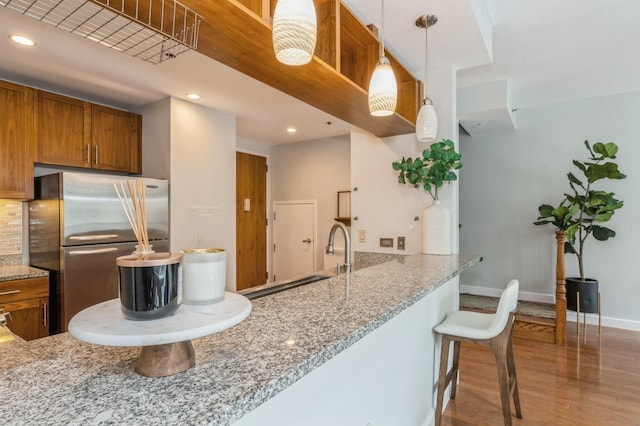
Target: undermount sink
(265,291)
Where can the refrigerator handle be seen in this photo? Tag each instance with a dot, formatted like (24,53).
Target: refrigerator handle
(96,251)
(93,237)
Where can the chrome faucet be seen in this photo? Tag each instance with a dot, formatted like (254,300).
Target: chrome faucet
(347,244)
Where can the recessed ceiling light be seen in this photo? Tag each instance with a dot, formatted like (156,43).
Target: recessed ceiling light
(192,95)
(25,41)
(291,130)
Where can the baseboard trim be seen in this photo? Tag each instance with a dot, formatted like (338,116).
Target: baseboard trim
(592,319)
(495,292)
(548,298)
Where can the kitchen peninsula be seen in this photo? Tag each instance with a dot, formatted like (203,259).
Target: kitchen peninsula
(352,349)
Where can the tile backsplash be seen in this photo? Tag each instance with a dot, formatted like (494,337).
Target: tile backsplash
(10,227)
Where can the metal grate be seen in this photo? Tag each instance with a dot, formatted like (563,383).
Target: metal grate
(154,31)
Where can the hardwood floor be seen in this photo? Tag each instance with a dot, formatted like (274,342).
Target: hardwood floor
(592,382)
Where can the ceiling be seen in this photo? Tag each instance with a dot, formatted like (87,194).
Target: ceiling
(548,51)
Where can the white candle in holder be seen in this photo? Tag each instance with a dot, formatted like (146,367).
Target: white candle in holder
(203,275)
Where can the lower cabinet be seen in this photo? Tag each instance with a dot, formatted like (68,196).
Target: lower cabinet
(28,302)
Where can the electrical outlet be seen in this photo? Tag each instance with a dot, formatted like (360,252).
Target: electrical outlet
(400,244)
(386,242)
(362,235)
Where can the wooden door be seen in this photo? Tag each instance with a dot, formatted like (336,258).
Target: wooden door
(116,139)
(251,220)
(63,130)
(294,237)
(16,141)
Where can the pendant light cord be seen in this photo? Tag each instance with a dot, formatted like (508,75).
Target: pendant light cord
(382,31)
(426,60)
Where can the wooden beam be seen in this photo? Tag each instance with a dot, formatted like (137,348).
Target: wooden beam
(240,38)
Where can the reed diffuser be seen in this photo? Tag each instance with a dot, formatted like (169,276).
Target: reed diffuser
(150,283)
(135,208)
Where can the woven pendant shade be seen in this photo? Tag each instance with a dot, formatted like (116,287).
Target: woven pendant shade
(294,31)
(427,123)
(383,90)
(427,120)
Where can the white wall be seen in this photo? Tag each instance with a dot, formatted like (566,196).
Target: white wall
(156,139)
(506,175)
(386,209)
(313,170)
(202,159)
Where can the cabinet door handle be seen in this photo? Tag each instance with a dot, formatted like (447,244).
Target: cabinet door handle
(96,155)
(88,153)
(95,251)
(4,293)
(93,237)
(44,314)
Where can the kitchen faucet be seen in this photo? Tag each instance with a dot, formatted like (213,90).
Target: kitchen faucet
(347,244)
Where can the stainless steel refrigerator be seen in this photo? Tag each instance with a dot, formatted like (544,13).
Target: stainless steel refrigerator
(77,229)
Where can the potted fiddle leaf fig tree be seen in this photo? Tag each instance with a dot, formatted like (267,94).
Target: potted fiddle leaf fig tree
(581,214)
(430,172)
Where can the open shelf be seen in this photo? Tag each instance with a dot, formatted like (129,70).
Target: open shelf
(409,91)
(261,8)
(359,49)
(238,34)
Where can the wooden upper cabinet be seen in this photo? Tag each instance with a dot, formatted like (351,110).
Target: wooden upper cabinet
(72,132)
(116,139)
(63,130)
(16,141)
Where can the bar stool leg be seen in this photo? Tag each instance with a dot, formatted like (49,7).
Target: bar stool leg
(499,346)
(442,378)
(454,369)
(513,378)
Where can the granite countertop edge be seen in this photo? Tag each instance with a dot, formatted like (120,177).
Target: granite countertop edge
(93,369)
(20,272)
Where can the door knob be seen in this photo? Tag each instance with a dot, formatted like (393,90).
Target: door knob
(308,240)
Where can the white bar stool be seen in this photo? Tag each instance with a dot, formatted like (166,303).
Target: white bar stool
(491,330)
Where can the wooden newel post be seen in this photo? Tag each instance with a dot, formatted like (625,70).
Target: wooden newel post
(561,292)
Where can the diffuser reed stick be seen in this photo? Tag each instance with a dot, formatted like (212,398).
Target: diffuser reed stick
(135,208)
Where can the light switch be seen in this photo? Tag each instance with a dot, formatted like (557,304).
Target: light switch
(247,204)
(362,235)
(400,243)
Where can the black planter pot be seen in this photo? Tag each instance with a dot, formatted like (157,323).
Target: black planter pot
(588,290)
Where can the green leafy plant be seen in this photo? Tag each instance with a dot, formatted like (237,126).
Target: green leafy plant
(437,166)
(581,211)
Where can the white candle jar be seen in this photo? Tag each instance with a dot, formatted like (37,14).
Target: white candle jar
(203,275)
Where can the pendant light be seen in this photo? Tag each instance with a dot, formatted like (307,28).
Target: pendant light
(427,121)
(294,31)
(383,90)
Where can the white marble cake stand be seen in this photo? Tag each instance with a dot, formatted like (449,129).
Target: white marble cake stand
(166,342)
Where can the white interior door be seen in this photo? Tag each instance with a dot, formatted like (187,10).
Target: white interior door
(294,237)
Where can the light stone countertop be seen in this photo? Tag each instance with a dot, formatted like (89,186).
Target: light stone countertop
(20,272)
(61,380)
